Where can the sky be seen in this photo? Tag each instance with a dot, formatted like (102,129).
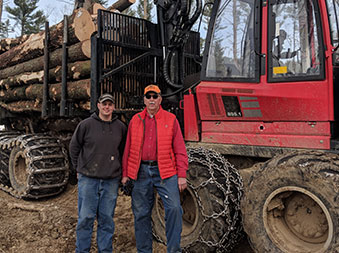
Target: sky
(53,9)
(56,9)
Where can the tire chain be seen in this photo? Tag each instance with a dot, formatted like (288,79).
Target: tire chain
(5,139)
(31,145)
(214,161)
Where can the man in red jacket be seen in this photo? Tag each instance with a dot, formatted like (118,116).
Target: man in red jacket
(155,157)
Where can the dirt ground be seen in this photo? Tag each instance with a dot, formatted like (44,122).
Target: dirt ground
(49,225)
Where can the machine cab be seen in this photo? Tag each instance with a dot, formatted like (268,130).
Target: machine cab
(269,74)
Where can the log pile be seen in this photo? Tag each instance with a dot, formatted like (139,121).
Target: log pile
(22,62)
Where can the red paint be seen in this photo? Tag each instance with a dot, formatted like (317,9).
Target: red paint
(292,101)
(292,141)
(293,114)
(278,134)
(190,118)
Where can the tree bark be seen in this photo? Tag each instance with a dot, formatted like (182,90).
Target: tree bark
(8,43)
(13,94)
(76,70)
(37,64)
(22,106)
(1,7)
(31,105)
(121,5)
(33,47)
(78,90)
(22,79)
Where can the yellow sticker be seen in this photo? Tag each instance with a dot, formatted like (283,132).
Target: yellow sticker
(280,70)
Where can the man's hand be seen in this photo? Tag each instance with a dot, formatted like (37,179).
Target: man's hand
(124,180)
(182,183)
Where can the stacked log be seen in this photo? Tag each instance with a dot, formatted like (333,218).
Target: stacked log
(22,63)
(8,43)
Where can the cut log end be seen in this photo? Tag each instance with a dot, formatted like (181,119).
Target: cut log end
(86,48)
(84,26)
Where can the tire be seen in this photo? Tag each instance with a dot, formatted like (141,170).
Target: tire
(5,138)
(18,172)
(291,204)
(211,204)
(38,166)
(4,176)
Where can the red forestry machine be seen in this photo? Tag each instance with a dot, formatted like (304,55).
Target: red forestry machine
(259,112)
(267,101)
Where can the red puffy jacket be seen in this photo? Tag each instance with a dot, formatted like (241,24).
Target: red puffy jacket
(165,155)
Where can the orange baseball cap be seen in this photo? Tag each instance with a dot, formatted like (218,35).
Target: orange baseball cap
(152,88)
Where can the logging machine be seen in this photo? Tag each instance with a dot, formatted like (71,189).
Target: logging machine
(259,112)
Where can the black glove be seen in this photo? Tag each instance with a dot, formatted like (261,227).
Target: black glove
(73,179)
(127,188)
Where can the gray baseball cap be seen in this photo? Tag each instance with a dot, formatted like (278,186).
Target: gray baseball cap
(104,97)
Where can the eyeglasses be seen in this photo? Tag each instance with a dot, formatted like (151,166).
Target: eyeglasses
(149,96)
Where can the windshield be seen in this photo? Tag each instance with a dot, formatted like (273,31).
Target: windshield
(295,46)
(231,52)
(333,12)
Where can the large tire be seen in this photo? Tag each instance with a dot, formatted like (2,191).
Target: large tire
(5,137)
(211,204)
(38,166)
(291,204)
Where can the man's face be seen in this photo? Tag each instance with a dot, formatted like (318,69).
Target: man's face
(105,108)
(152,101)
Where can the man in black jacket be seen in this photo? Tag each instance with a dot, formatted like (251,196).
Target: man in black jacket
(96,150)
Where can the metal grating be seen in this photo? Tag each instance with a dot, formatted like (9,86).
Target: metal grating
(126,56)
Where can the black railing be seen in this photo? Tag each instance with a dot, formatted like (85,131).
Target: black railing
(127,56)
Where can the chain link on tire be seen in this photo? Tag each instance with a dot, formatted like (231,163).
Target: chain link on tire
(37,165)
(216,187)
(5,139)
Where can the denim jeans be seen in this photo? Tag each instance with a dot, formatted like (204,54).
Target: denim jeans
(96,199)
(142,204)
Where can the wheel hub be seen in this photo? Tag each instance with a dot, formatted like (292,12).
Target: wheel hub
(297,221)
(20,172)
(306,219)
(190,212)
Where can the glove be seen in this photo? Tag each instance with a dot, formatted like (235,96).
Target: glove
(73,180)
(127,188)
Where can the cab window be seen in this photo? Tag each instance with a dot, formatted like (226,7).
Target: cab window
(295,46)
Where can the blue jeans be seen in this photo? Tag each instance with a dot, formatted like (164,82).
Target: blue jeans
(142,204)
(96,199)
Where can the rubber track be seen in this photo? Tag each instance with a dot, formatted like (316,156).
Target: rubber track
(46,161)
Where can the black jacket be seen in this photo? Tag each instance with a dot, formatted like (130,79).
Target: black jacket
(96,147)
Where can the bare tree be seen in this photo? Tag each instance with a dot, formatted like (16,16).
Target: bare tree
(1,6)
(86,3)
